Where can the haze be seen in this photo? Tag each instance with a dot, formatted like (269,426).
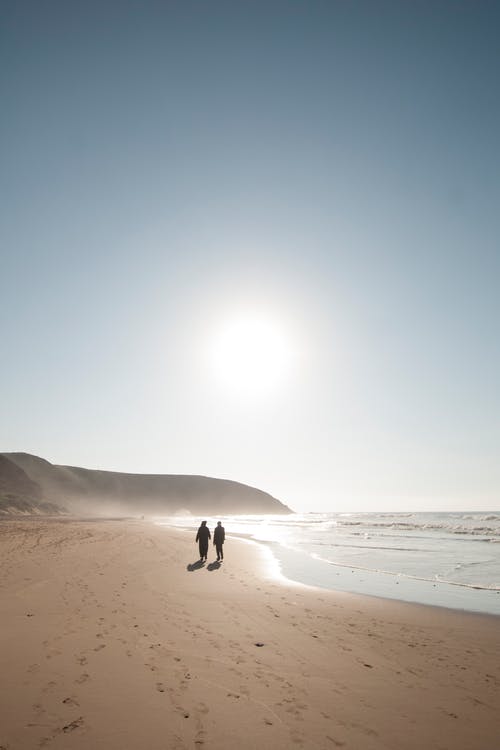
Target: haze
(327,171)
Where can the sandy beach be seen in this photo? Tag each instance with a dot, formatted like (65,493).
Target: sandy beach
(112,638)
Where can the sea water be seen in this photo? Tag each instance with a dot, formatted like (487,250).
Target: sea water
(442,559)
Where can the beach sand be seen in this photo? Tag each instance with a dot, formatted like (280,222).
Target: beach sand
(110,641)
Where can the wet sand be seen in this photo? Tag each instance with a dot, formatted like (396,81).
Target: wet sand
(112,637)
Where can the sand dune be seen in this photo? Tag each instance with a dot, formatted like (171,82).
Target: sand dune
(112,638)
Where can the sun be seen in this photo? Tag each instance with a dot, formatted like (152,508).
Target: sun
(251,353)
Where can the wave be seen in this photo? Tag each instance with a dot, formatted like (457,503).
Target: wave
(407,576)
(458,529)
(475,538)
(459,524)
(350,545)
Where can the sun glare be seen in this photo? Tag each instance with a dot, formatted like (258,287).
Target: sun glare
(251,354)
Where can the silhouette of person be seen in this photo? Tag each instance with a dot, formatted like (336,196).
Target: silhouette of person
(219,537)
(202,538)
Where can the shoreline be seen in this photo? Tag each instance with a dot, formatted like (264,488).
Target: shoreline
(111,637)
(381,584)
(298,567)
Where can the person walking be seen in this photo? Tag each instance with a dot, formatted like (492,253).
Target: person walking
(219,537)
(202,538)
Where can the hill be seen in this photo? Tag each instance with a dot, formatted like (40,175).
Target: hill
(19,494)
(109,493)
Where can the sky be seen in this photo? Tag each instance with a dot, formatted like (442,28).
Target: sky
(256,241)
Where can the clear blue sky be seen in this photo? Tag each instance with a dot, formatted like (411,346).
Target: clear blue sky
(333,166)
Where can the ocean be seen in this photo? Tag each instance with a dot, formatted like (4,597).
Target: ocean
(442,559)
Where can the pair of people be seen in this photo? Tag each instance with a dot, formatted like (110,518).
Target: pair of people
(203,536)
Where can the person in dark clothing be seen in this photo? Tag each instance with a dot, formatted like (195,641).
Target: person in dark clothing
(219,537)
(202,538)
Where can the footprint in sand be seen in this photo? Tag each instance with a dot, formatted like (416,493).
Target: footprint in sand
(297,738)
(70,701)
(49,686)
(337,743)
(73,725)
(52,653)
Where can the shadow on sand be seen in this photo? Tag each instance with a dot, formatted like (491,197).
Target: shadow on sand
(213,565)
(196,565)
